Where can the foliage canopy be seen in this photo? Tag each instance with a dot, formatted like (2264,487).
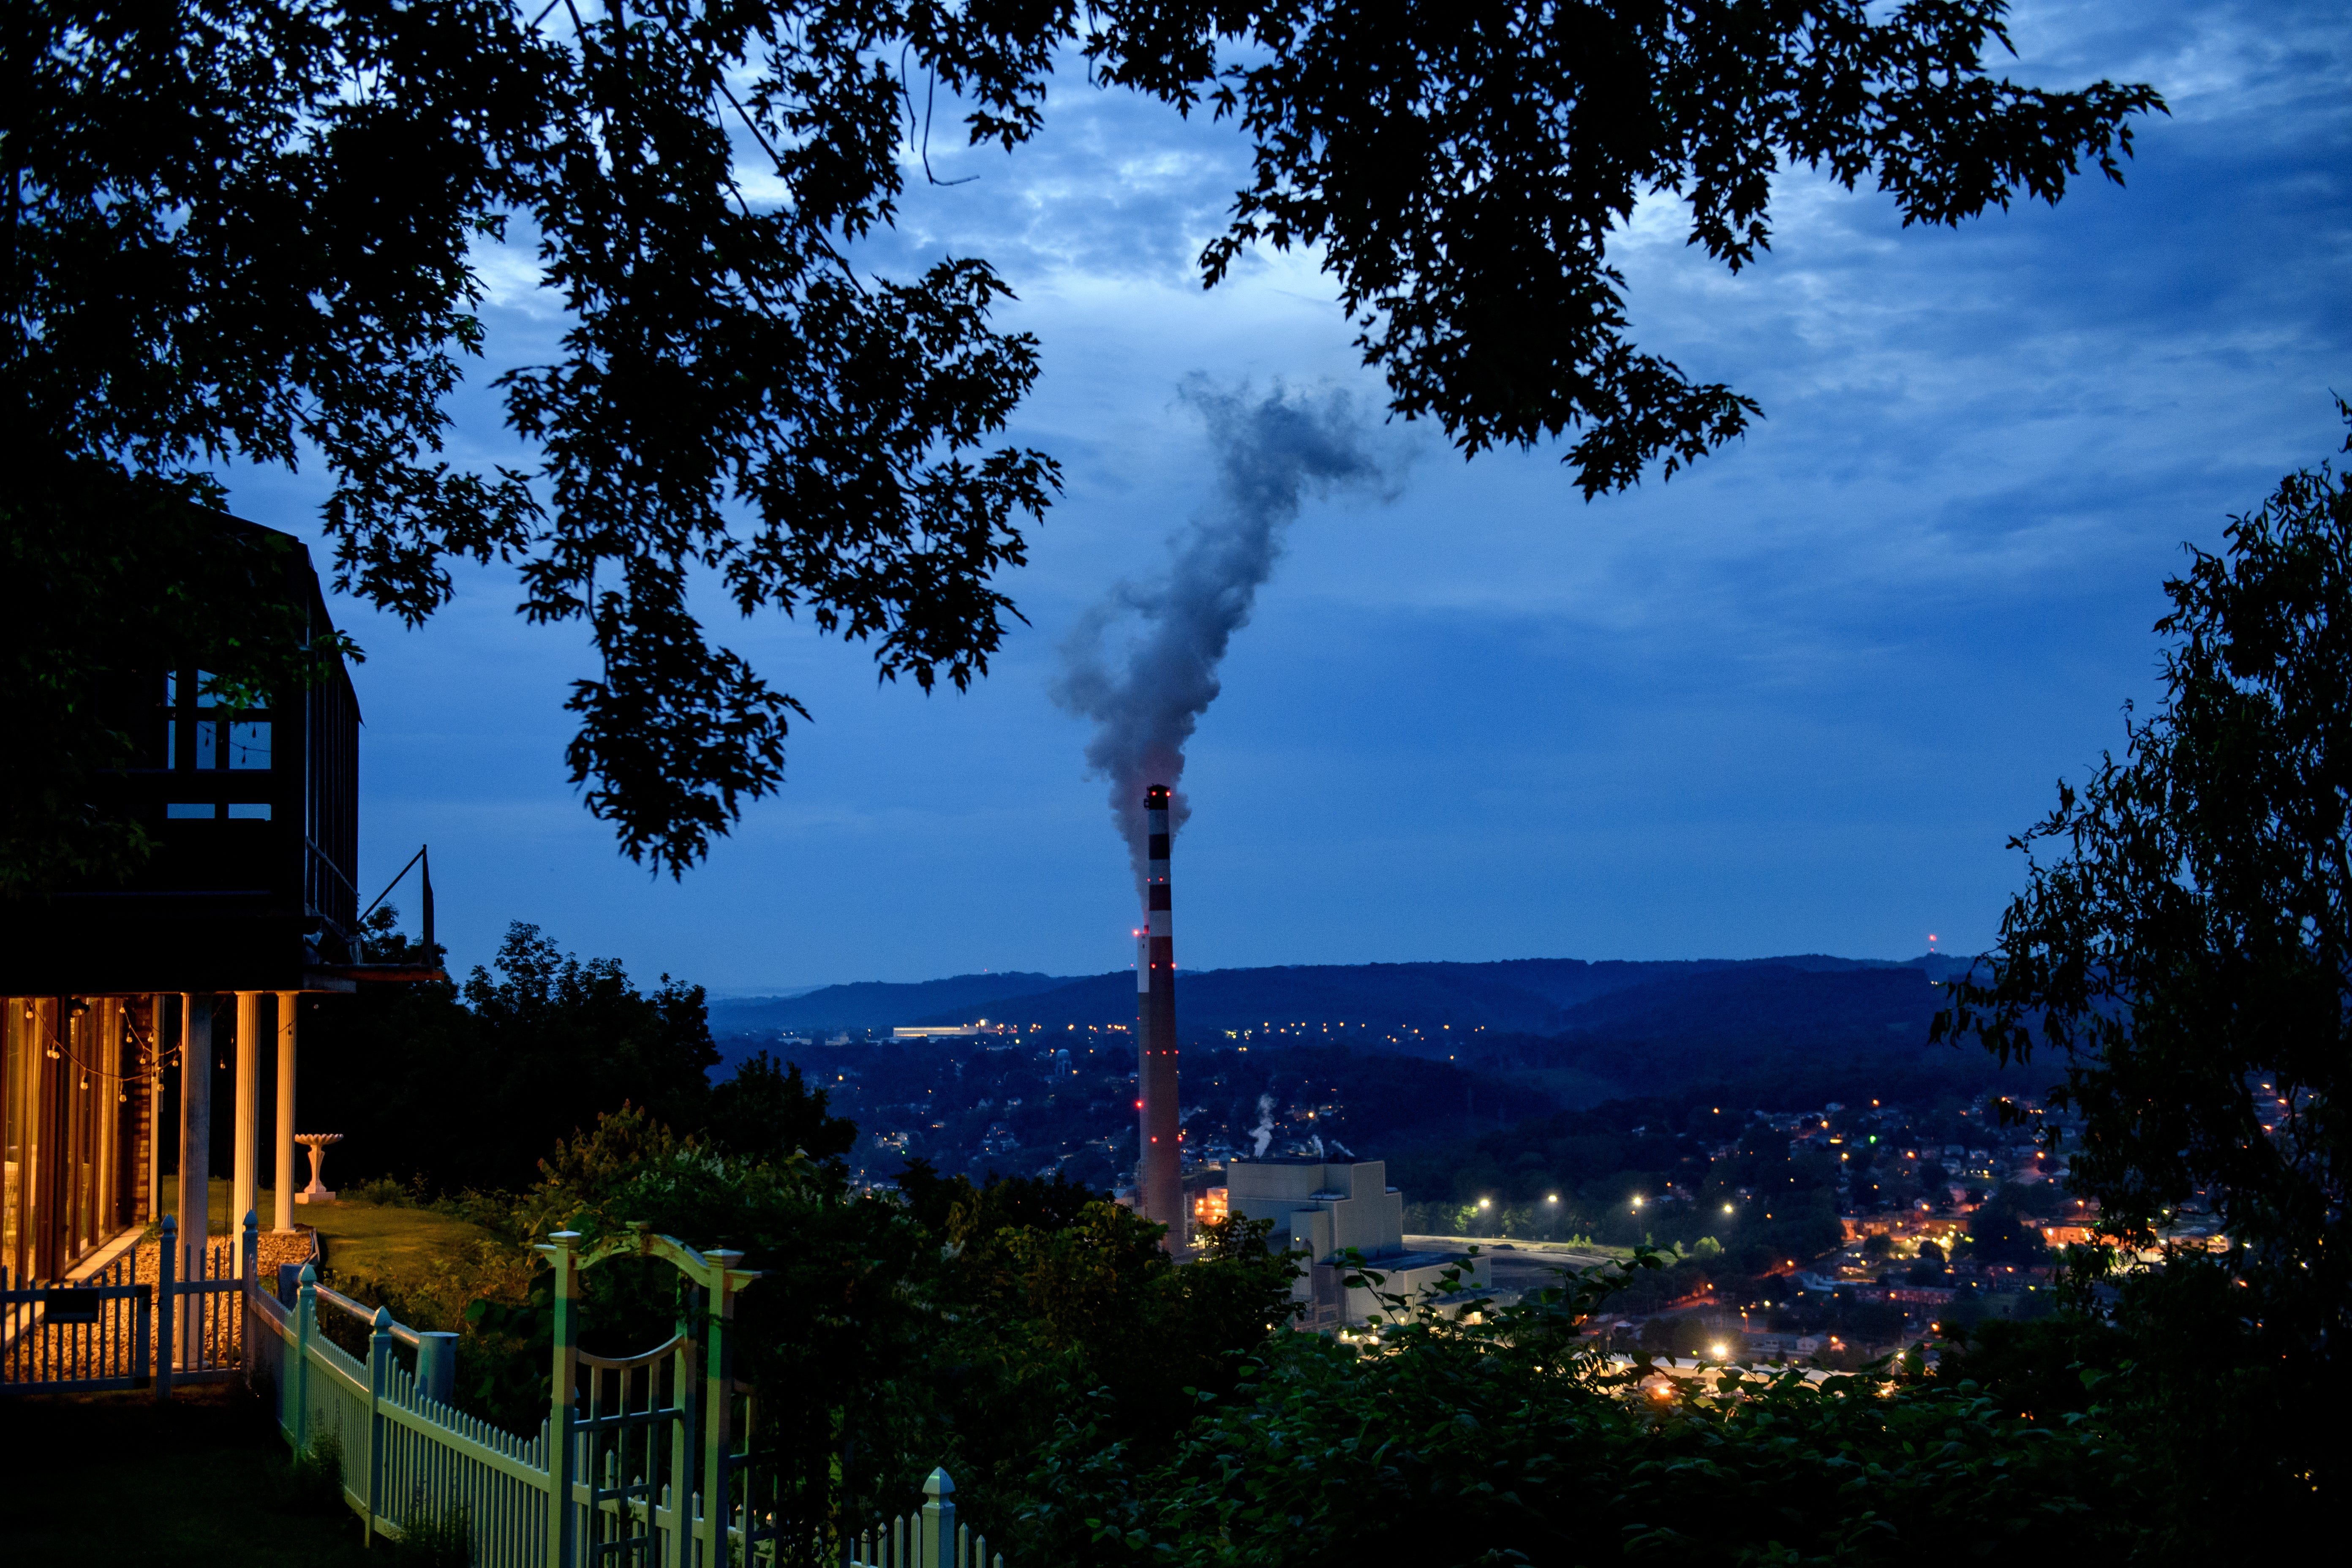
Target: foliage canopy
(244,231)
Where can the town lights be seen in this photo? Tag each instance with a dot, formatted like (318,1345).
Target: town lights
(1720,1351)
(1486,1203)
(1553,1198)
(1727,1208)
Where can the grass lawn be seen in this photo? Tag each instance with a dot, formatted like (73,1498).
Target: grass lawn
(362,1239)
(198,1480)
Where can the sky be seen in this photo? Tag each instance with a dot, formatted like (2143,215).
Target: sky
(1796,700)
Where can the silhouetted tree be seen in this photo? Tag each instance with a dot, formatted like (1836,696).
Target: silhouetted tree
(2185,959)
(242,232)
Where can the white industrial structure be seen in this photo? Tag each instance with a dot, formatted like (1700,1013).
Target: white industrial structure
(1324,1208)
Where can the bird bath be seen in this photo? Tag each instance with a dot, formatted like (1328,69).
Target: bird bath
(316,1143)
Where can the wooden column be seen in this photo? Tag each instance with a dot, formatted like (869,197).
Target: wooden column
(105,1058)
(196,1138)
(45,1142)
(284,1194)
(242,1184)
(153,1062)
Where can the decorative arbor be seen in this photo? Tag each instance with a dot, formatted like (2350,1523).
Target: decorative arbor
(626,1453)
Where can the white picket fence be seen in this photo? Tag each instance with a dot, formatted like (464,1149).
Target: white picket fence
(640,1426)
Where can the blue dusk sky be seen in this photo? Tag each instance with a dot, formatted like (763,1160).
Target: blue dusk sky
(1796,700)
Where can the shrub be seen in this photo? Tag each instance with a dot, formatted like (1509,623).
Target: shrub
(314,1477)
(1505,1436)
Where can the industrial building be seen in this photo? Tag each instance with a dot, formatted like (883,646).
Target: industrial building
(1324,1208)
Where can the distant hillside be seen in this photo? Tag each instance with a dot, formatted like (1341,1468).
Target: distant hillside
(1378,1002)
(1853,1026)
(874,1003)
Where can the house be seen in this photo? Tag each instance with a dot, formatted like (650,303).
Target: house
(1324,1209)
(111,992)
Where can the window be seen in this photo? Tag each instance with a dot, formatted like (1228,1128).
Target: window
(180,809)
(248,746)
(248,811)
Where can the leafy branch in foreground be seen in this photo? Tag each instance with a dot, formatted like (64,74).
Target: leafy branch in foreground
(244,231)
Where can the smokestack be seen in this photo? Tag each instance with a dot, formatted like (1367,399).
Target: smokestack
(1159,1173)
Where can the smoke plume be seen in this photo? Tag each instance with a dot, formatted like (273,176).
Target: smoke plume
(1263,1133)
(1146,695)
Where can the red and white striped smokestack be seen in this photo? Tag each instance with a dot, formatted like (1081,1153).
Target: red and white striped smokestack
(1159,1173)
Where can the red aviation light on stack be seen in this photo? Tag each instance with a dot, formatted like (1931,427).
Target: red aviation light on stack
(1159,1173)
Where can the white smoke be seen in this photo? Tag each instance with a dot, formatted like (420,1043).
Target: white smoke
(1264,1131)
(1147,696)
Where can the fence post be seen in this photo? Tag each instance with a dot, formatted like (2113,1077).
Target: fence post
(561,1251)
(247,1287)
(379,1373)
(166,1306)
(436,1365)
(306,1324)
(686,1441)
(935,1547)
(717,1409)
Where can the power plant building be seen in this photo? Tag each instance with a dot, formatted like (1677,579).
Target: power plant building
(1324,1207)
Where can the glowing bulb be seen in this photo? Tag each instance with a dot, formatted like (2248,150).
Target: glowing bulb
(1719,1352)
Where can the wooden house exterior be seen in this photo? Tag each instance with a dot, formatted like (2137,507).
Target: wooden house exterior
(248,901)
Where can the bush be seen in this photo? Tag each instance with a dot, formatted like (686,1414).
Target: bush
(434,1539)
(314,1477)
(1511,1440)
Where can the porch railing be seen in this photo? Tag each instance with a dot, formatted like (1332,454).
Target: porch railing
(115,1331)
